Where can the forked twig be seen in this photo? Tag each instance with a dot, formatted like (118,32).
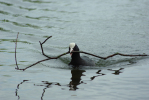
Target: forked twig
(49,58)
(16,57)
(42,47)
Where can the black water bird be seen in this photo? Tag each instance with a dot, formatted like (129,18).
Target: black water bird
(76,59)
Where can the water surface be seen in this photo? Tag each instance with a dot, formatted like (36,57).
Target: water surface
(99,27)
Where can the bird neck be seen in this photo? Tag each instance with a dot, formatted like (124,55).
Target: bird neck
(76,55)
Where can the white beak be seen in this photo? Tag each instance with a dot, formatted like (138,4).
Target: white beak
(71,46)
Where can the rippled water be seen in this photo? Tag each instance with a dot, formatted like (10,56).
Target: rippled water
(101,27)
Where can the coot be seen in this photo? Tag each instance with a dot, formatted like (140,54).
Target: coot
(76,59)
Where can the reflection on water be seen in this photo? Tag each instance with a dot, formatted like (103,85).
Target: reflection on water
(73,84)
(110,62)
(76,79)
(101,27)
(47,85)
(16,92)
(116,72)
(98,74)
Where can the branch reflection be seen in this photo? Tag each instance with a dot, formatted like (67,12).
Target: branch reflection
(73,84)
(99,74)
(116,72)
(16,92)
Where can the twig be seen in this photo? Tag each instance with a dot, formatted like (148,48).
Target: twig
(43,60)
(130,55)
(45,54)
(15,51)
(46,39)
(16,58)
(42,47)
(48,58)
(32,64)
(42,50)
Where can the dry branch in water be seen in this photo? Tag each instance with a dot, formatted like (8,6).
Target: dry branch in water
(15,51)
(110,55)
(49,58)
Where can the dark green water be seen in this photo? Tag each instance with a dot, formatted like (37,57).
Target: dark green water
(101,27)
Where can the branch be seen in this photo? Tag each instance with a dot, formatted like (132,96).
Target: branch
(42,47)
(130,55)
(15,51)
(48,58)
(32,65)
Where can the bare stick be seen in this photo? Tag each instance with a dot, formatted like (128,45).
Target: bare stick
(43,60)
(42,50)
(130,55)
(38,61)
(15,51)
(16,57)
(45,54)
(46,39)
(42,47)
(32,64)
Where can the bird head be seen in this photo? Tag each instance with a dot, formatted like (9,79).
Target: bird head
(73,47)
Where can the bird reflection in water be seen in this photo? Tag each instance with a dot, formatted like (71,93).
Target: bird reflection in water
(76,79)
